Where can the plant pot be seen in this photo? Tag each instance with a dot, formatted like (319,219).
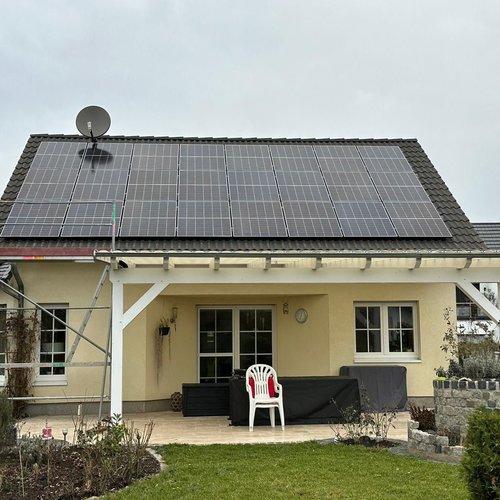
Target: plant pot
(164,330)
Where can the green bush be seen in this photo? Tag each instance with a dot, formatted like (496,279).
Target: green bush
(481,459)
(479,367)
(486,347)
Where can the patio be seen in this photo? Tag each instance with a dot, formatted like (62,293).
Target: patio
(171,427)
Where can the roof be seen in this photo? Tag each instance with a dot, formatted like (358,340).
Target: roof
(464,236)
(489,232)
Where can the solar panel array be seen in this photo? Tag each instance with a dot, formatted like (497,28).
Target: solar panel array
(222,190)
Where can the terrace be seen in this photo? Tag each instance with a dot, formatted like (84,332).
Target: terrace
(171,427)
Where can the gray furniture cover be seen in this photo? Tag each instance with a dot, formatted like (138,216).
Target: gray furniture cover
(385,386)
(306,400)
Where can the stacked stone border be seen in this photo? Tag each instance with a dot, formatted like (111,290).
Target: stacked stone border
(454,401)
(427,444)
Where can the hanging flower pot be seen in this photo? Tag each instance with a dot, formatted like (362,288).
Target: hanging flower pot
(164,330)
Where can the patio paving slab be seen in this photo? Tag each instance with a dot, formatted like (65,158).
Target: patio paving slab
(171,427)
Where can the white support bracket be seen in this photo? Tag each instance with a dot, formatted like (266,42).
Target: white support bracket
(467,264)
(165,263)
(216,263)
(267,265)
(476,296)
(318,264)
(368,264)
(143,302)
(418,263)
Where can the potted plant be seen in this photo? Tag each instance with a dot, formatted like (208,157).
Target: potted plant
(441,373)
(163,329)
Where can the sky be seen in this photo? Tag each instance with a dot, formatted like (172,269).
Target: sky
(264,68)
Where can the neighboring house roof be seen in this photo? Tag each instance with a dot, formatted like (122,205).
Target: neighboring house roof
(464,236)
(489,232)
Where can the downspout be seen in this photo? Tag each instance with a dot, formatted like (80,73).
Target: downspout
(13,271)
(20,284)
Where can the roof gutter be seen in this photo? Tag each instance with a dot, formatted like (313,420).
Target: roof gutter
(98,254)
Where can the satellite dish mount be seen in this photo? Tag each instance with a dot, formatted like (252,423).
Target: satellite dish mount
(93,122)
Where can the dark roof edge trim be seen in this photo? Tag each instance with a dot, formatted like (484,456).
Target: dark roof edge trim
(74,137)
(411,254)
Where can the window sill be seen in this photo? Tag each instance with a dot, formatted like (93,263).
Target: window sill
(386,360)
(50,382)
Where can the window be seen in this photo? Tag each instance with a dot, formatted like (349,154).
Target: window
(232,338)
(52,343)
(466,308)
(3,341)
(385,331)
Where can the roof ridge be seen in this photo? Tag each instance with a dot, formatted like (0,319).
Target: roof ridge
(236,139)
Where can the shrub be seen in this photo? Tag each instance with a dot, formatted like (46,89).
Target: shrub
(455,369)
(481,459)
(7,421)
(426,418)
(110,451)
(486,347)
(479,367)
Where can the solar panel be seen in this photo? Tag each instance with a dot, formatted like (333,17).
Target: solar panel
(102,180)
(203,189)
(151,196)
(255,201)
(203,207)
(407,203)
(41,219)
(89,219)
(156,218)
(356,201)
(49,184)
(307,206)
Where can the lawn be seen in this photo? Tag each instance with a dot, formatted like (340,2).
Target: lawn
(307,470)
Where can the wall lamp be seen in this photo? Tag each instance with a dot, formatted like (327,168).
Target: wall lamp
(285,307)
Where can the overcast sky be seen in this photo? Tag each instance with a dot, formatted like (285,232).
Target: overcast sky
(310,68)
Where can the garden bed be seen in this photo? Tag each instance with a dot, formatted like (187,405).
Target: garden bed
(64,476)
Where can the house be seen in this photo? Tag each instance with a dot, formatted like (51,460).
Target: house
(307,254)
(472,321)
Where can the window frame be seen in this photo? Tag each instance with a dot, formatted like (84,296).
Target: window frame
(52,379)
(236,333)
(385,355)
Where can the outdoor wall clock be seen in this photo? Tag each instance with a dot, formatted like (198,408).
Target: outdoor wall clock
(301,315)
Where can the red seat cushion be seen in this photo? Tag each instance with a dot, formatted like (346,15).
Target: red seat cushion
(270,386)
(251,383)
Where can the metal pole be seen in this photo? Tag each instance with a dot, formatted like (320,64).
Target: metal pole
(113,226)
(105,368)
(88,313)
(53,316)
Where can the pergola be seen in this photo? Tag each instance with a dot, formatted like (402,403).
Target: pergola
(161,269)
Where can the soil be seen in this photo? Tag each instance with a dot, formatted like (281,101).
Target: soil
(369,442)
(366,441)
(66,478)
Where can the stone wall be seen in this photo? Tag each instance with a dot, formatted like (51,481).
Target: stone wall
(455,400)
(428,444)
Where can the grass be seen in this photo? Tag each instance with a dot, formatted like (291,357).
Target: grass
(307,470)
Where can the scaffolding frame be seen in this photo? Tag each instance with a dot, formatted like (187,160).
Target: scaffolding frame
(12,291)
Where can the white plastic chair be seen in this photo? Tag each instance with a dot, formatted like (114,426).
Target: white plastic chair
(259,396)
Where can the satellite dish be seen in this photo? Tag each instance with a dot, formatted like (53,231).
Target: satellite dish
(93,121)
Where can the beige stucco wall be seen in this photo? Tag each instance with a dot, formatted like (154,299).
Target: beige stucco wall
(155,367)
